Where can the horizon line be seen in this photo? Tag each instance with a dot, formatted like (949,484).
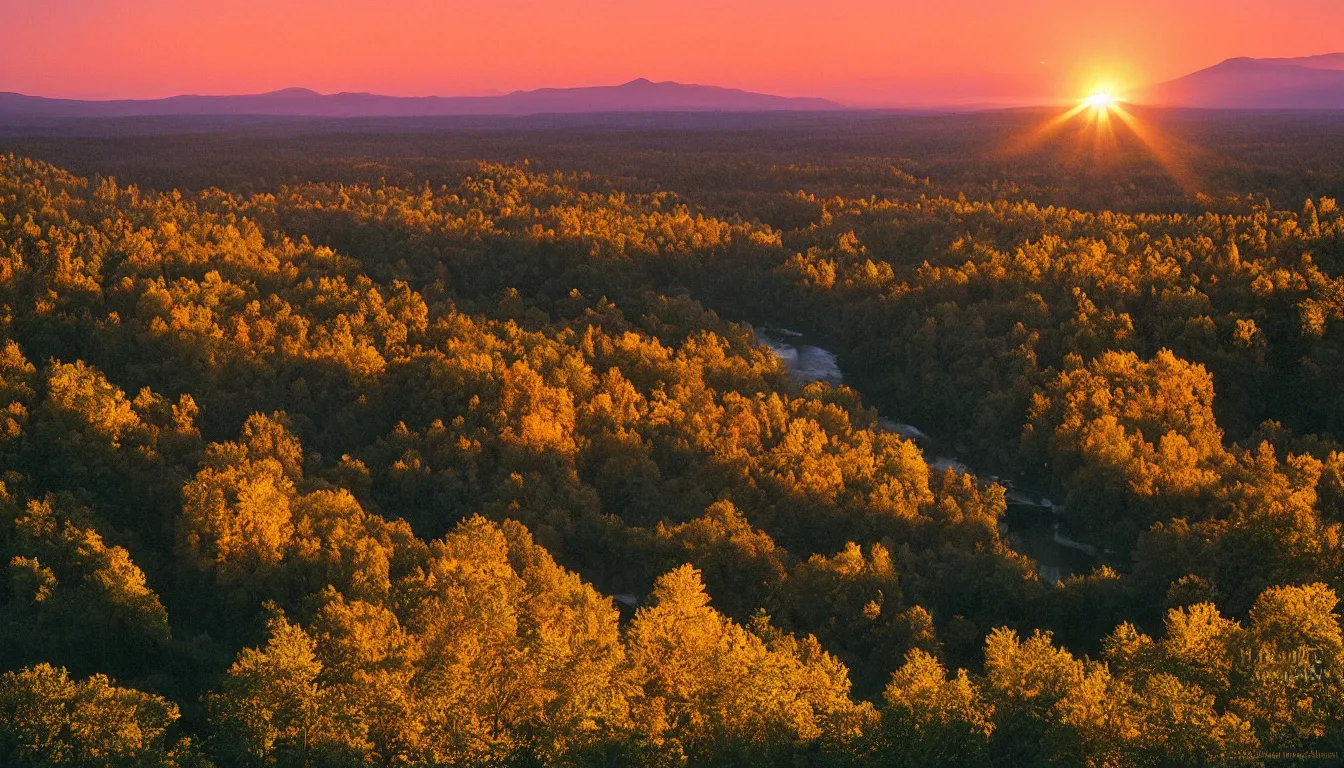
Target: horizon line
(983,103)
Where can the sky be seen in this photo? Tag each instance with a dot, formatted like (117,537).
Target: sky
(860,52)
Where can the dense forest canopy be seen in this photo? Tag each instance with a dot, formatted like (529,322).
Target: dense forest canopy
(369,444)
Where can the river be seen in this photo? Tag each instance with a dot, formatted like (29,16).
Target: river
(1030,525)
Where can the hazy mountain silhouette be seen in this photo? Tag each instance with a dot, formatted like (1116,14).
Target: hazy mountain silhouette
(635,96)
(1309,82)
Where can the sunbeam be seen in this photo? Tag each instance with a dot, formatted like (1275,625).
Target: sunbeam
(1102,147)
(1163,149)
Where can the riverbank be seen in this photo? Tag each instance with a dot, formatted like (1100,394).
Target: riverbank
(1030,523)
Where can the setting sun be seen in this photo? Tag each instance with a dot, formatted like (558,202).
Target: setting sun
(1100,100)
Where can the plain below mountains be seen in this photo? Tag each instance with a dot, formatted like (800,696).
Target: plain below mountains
(635,96)
(1309,82)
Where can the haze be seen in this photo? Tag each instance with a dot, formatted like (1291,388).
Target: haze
(862,53)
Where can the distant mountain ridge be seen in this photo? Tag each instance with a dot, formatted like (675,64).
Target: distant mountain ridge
(635,96)
(1308,82)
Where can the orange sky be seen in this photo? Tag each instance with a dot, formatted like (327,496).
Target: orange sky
(862,52)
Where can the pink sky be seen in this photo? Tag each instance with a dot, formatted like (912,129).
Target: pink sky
(862,52)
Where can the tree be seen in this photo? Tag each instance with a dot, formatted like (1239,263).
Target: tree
(713,691)
(1024,682)
(48,719)
(67,585)
(930,719)
(273,710)
(236,518)
(1293,662)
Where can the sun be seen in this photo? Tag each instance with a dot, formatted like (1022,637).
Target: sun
(1101,100)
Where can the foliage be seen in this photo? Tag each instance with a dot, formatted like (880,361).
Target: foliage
(475,464)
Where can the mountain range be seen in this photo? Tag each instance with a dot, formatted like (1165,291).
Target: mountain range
(635,96)
(1309,82)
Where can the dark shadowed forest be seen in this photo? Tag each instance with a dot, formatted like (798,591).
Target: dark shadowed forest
(458,442)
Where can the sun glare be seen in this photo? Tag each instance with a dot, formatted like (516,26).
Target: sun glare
(1105,119)
(1100,100)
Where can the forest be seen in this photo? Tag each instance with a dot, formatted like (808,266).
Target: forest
(452,444)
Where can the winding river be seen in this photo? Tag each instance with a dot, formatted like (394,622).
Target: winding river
(1030,523)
